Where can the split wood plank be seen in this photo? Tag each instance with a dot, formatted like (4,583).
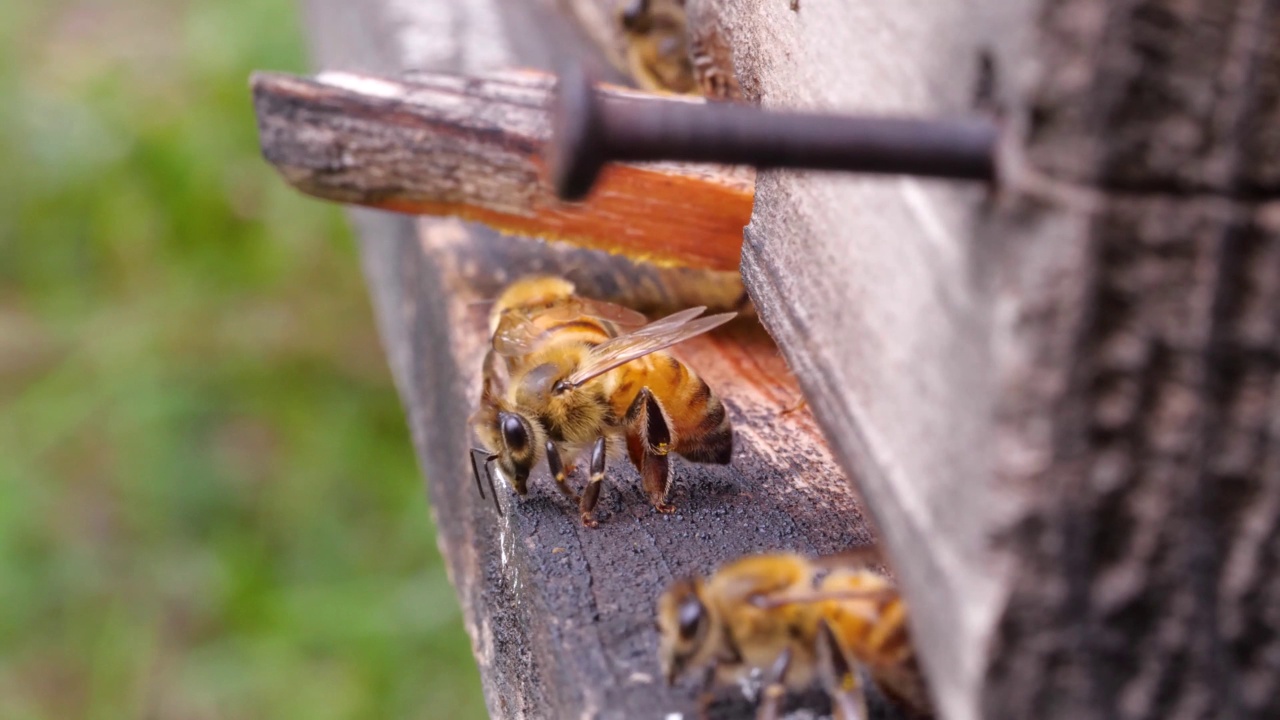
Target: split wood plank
(472,147)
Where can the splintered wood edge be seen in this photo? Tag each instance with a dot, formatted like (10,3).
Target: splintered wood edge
(471,147)
(561,616)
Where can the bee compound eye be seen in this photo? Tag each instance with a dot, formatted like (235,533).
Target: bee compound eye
(689,616)
(514,434)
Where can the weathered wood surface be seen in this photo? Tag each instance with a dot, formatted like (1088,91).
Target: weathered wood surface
(561,617)
(1063,417)
(882,301)
(473,147)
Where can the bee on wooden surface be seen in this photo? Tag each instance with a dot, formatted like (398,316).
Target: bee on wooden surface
(799,622)
(657,45)
(567,374)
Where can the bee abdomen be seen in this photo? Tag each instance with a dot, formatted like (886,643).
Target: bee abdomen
(710,439)
(891,638)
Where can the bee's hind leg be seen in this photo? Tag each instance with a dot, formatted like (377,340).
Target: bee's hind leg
(839,678)
(590,496)
(649,443)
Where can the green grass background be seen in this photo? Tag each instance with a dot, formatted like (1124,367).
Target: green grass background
(209,507)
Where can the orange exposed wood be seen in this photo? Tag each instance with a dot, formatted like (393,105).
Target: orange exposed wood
(473,148)
(630,213)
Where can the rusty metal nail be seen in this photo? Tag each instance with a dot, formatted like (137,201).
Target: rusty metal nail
(591,131)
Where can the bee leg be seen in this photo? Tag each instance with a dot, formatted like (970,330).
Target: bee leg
(775,688)
(592,494)
(799,405)
(650,426)
(706,693)
(839,678)
(558,472)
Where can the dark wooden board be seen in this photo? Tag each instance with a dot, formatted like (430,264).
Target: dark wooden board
(561,615)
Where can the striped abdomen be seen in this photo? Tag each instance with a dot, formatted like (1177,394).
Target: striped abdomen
(883,645)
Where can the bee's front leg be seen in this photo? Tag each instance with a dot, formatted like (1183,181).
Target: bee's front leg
(649,441)
(839,678)
(774,688)
(592,494)
(706,693)
(559,472)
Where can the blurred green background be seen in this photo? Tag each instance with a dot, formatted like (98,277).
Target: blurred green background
(209,507)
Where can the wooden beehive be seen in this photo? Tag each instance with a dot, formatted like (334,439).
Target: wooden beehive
(1061,415)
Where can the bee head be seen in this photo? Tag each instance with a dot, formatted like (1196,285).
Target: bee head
(517,450)
(684,623)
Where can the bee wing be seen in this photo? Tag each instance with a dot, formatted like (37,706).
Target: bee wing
(517,334)
(623,317)
(655,336)
(769,602)
(495,375)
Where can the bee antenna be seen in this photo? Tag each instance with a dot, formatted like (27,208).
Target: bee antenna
(488,471)
(475,472)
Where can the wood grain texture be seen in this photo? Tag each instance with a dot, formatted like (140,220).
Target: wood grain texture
(1159,96)
(1062,416)
(876,291)
(1150,536)
(1149,533)
(561,616)
(473,147)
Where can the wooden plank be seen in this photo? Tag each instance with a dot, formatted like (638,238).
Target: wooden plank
(879,299)
(1156,474)
(1176,97)
(561,617)
(1150,534)
(473,147)
(1062,416)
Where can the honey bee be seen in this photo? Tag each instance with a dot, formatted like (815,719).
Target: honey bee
(657,45)
(567,374)
(799,622)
